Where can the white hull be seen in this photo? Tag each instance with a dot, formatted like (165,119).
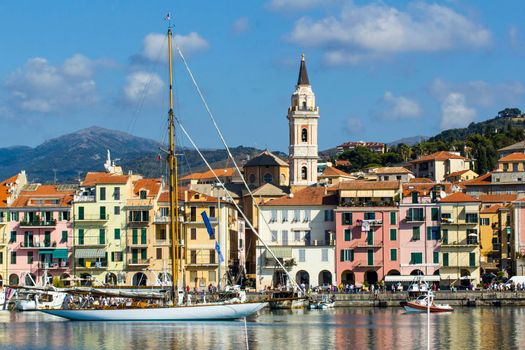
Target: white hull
(31,305)
(183,313)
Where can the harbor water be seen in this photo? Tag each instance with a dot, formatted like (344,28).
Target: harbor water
(340,328)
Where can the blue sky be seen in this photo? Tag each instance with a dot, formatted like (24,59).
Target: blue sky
(380,70)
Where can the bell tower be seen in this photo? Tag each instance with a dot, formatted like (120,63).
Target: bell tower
(302,120)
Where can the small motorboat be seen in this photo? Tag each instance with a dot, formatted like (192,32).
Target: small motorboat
(425,303)
(325,303)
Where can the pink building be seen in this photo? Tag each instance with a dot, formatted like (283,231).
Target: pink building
(419,229)
(517,237)
(40,234)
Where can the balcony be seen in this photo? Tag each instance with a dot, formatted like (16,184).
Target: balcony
(469,243)
(369,245)
(366,263)
(415,219)
(84,199)
(96,266)
(53,266)
(138,262)
(318,243)
(92,218)
(161,220)
(42,245)
(370,222)
(139,243)
(38,223)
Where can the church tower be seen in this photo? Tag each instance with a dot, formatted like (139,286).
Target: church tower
(302,120)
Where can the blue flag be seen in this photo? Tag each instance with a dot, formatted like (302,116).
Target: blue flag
(218,249)
(211,233)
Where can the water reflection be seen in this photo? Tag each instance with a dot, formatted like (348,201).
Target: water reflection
(476,328)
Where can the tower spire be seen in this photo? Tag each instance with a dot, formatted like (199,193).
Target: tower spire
(303,74)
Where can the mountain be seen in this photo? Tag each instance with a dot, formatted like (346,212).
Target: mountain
(74,154)
(411,141)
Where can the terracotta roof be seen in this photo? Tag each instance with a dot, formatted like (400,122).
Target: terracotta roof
(152,186)
(421,180)
(342,162)
(497,198)
(492,209)
(269,189)
(4,190)
(306,196)
(458,173)
(266,158)
(369,185)
(459,197)
(209,174)
(515,146)
(95,178)
(485,179)
(442,155)
(424,189)
(513,157)
(330,171)
(44,196)
(165,195)
(391,170)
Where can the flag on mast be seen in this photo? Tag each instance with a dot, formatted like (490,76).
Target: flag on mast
(167,17)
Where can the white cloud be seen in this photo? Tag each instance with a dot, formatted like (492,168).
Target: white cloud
(399,107)
(296,5)
(455,113)
(354,125)
(142,87)
(379,30)
(39,86)
(155,45)
(241,25)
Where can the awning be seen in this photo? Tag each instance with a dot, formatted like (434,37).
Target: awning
(89,253)
(411,278)
(57,253)
(280,252)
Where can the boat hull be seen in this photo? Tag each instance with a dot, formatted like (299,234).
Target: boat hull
(183,313)
(414,307)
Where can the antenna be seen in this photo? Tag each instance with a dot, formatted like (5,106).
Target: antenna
(55,176)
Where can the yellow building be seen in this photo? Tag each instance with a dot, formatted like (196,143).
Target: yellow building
(462,175)
(489,241)
(99,223)
(460,250)
(266,168)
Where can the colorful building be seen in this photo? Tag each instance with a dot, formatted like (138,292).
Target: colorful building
(437,166)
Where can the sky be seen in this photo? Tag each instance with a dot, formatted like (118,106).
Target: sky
(381,70)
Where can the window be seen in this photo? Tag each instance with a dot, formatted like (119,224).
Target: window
(29,257)
(415,214)
(273,216)
(284,215)
(416,258)
(47,239)
(348,234)
(393,254)
(268,178)
(143,194)
(64,237)
(302,255)
(193,214)
(415,197)
(116,234)
(64,216)
(307,237)
(134,236)
(484,221)
(211,276)
(116,256)
(116,193)
(274,236)
(297,236)
(433,233)
(13,258)
(324,254)
(444,236)
(212,256)
(1,258)
(435,214)
(472,259)
(471,218)
(102,213)
(212,212)
(102,236)
(193,234)
(296,215)
(416,233)
(12,239)
(15,216)
(304,173)
(306,215)
(162,234)
(436,257)
(393,218)
(102,192)
(347,255)
(116,210)
(393,234)
(370,216)
(285,237)
(445,259)
(159,253)
(347,218)
(80,236)
(304,135)
(81,213)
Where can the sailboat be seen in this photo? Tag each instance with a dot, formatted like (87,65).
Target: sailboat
(177,312)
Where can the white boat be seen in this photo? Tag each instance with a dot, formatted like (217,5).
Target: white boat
(179,313)
(37,300)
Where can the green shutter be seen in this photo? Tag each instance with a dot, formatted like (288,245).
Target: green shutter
(102,213)
(370,237)
(472,259)
(435,214)
(429,233)
(134,236)
(64,236)
(13,237)
(352,255)
(102,236)
(416,258)
(445,259)
(143,254)
(81,213)
(414,197)
(393,234)
(415,233)
(392,218)
(80,236)
(393,254)
(134,256)
(370,257)
(444,236)
(348,235)
(342,255)
(436,257)
(143,235)
(117,233)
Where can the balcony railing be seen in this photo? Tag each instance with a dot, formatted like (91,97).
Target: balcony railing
(92,218)
(38,223)
(366,263)
(415,219)
(371,222)
(84,199)
(95,266)
(458,244)
(317,242)
(369,244)
(53,266)
(161,219)
(31,245)
(138,261)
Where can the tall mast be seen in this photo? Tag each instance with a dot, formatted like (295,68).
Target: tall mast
(174,202)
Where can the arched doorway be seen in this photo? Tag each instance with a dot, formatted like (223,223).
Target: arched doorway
(111,279)
(325,278)
(347,277)
(165,278)
(371,277)
(30,279)
(85,280)
(436,273)
(465,278)
(280,279)
(140,279)
(416,272)
(302,277)
(393,273)
(13,279)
